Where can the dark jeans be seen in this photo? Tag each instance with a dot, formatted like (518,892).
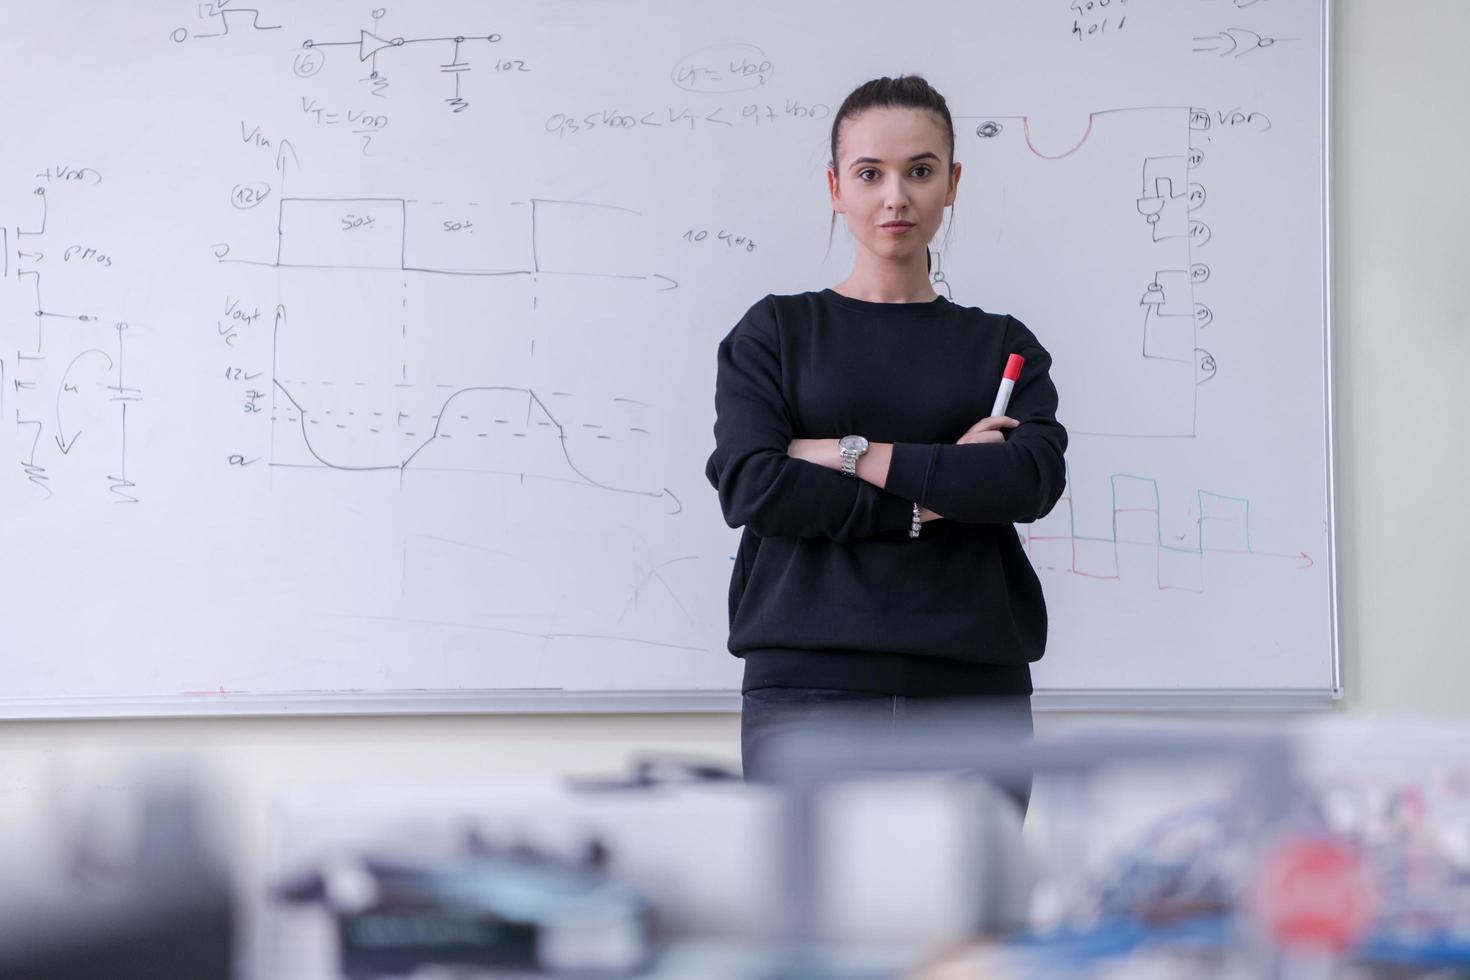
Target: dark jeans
(771,713)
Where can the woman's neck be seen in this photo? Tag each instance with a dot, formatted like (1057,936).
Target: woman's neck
(884,281)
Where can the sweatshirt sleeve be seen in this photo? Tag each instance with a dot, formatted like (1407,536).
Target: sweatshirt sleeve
(760,486)
(1015,481)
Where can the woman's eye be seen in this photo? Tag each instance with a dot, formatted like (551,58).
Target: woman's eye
(867,174)
(922,172)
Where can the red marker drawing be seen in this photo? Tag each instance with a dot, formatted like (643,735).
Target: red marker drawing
(1007,384)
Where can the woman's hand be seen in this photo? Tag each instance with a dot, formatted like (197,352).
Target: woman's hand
(988,430)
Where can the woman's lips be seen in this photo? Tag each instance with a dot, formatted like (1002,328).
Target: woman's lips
(896,227)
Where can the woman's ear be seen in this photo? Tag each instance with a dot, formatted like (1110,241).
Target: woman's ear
(954,184)
(834,191)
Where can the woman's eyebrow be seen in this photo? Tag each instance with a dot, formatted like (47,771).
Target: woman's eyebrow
(926,155)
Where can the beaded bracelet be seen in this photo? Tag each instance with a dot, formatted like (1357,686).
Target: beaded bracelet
(916,523)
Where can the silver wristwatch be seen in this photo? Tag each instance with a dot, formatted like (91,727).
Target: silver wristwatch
(851,447)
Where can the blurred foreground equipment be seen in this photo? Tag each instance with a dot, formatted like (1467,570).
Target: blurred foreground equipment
(162,912)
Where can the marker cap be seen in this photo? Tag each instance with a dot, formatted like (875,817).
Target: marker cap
(1013,367)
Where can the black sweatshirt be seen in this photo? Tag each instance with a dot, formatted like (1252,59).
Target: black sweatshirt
(828,589)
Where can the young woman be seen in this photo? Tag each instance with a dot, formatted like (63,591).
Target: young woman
(879,578)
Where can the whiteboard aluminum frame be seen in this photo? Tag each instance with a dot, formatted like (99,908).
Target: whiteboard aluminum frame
(551,702)
(1329,352)
(465,702)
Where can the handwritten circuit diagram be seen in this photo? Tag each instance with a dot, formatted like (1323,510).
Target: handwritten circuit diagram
(368,47)
(65,386)
(1130,178)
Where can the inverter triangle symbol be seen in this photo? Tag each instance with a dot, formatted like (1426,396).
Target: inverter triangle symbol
(371,44)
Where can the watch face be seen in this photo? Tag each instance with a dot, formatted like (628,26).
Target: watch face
(853,444)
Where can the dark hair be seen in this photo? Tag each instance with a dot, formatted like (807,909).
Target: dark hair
(903,92)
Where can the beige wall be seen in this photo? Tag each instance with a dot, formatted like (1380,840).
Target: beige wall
(1402,213)
(1401,206)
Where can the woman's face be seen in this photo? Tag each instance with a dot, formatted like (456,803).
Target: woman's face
(893,180)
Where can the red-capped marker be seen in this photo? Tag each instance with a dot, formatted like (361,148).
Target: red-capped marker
(1007,384)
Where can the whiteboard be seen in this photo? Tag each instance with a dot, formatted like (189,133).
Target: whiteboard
(362,359)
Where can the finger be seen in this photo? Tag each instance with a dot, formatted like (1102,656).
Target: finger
(995,424)
(988,436)
(985,425)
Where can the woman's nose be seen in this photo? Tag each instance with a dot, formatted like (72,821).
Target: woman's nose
(895,196)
